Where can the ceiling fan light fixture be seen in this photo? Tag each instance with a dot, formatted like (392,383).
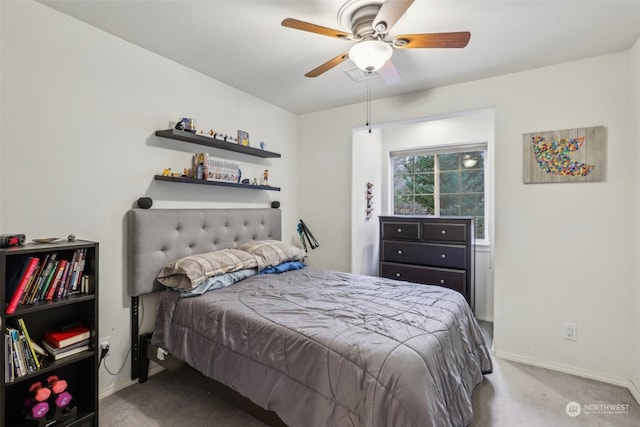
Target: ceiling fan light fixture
(370,55)
(468,161)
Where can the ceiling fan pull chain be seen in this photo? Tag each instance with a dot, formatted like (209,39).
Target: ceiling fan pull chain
(369,104)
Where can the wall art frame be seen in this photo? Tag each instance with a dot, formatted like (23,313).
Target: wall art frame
(567,155)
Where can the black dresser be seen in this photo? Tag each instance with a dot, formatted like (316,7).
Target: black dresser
(430,250)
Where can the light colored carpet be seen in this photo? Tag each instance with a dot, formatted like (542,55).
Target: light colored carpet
(513,395)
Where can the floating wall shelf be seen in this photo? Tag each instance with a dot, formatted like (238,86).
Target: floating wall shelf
(215,143)
(186,180)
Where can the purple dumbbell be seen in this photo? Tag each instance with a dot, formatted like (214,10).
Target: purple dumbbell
(39,410)
(63,399)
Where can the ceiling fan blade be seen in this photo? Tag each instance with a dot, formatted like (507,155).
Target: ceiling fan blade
(389,13)
(389,73)
(328,65)
(434,40)
(313,28)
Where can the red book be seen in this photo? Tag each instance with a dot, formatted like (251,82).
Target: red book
(15,298)
(56,280)
(67,337)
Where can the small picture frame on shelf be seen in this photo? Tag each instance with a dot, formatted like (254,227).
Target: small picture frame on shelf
(243,138)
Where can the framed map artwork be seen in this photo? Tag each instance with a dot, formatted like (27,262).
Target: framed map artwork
(569,155)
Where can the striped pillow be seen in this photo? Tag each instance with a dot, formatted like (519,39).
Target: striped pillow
(270,253)
(191,271)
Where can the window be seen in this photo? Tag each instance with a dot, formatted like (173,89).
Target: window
(441,183)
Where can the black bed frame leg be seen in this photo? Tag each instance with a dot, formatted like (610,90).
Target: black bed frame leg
(145,341)
(139,345)
(135,348)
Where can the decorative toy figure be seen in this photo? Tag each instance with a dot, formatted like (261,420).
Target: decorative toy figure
(265,177)
(255,181)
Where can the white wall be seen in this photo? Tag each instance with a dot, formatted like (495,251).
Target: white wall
(563,252)
(634,113)
(367,158)
(78,113)
(81,109)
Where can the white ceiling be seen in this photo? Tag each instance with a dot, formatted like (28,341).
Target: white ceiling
(241,42)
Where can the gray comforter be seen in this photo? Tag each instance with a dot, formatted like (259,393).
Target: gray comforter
(323,348)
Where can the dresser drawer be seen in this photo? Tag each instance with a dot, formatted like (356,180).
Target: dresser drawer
(401,230)
(452,279)
(442,231)
(450,256)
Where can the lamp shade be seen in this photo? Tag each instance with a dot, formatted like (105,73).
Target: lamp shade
(370,55)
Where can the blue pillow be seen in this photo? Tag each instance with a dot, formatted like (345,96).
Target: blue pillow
(217,282)
(281,268)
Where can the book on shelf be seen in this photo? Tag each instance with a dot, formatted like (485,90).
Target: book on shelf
(37,279)
(59,293)
(19,360)
(66,337)
(34,280)
(22,327)
(47,281)
(43,279)
(59,353)
(9,373)
(77,272)
(26,353)
(56,280)
(22,285)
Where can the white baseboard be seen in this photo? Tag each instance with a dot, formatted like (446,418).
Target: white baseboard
(634,391)
(598,376)
(112,388)
(485,317)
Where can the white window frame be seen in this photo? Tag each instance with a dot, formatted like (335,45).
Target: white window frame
(443,149)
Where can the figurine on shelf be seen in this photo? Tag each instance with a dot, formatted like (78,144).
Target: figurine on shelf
(255,181)
(166,172)
(186,124)
(265,177)
(243,138)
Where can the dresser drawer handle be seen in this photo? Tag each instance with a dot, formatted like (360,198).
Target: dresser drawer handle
(397,274)
(443,256)
(442,281)
(399,252)
(399,230)
(444,231)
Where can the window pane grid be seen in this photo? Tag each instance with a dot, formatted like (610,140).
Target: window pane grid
(440,184)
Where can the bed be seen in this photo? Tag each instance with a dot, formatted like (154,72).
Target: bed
(310,347)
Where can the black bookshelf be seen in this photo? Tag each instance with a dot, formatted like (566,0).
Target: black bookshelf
(79,370)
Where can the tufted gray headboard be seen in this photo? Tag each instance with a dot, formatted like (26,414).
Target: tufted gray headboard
(158,236)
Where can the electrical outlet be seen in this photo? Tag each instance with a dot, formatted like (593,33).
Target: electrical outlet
(105,344)
(570,332)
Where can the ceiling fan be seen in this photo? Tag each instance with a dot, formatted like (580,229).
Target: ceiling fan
(370,22)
